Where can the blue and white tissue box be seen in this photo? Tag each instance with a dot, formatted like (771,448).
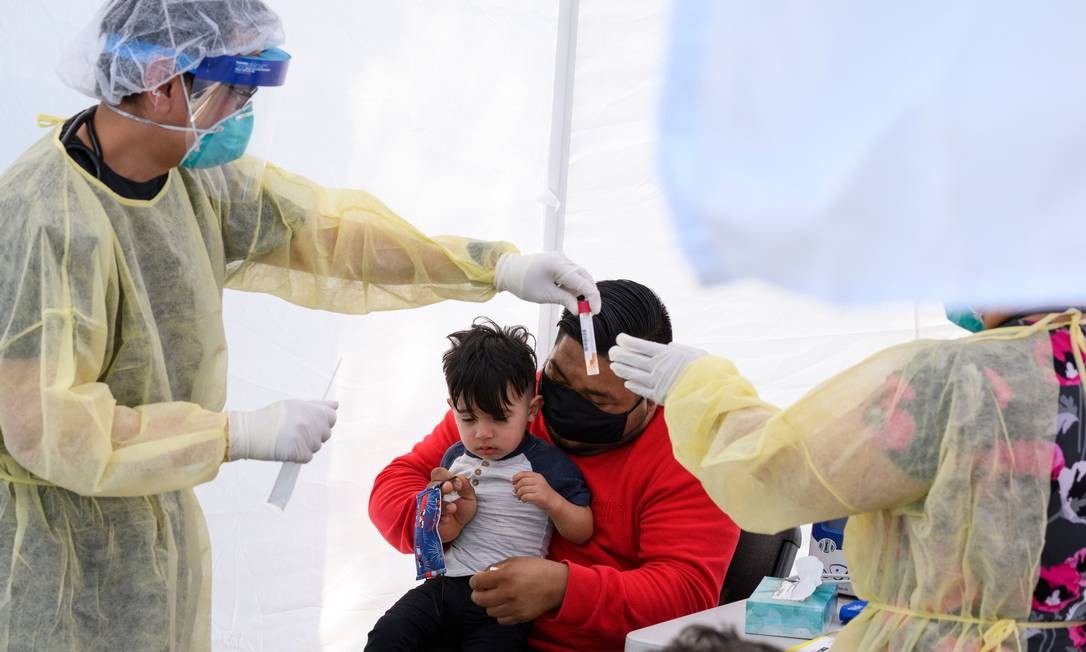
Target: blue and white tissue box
(807,618)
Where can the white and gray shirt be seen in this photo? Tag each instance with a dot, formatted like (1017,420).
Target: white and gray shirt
(504,526)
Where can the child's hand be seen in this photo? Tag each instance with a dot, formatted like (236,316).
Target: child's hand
(533,488)
(454,515)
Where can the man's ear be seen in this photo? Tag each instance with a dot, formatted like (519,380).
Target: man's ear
(158,72)
(166,87)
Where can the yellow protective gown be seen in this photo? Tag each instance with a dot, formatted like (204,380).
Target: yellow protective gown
(113,373)
(939,452)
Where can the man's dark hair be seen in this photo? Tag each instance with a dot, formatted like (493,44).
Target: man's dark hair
(628,307)
(702,638)
(489,366)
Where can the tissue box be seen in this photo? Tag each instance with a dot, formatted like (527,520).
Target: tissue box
(805,619)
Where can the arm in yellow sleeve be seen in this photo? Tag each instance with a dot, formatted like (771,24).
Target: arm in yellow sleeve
(57,420)
(344,250)
(844,448)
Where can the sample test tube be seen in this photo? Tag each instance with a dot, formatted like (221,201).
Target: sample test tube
(588,337)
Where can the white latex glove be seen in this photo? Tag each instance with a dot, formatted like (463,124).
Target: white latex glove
(650,368)
(287,431)
(548,277)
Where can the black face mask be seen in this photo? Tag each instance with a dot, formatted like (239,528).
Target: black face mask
(575,418)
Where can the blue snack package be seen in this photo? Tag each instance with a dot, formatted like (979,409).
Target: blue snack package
(429,551)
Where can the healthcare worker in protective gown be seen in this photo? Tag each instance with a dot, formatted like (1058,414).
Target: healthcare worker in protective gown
(961,465)
(120,229)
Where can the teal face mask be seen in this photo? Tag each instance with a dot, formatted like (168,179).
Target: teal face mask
(967,318)
(224,142)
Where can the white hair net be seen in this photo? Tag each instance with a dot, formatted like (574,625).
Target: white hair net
(133,46)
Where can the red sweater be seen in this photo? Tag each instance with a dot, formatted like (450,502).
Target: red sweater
(659,549)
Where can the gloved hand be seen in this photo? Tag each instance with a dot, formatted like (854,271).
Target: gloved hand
(548,277)
(287,431)
(650,368)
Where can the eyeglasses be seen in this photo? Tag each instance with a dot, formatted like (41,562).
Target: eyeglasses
(240,94)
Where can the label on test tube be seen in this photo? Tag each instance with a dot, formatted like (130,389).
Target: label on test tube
(588,337)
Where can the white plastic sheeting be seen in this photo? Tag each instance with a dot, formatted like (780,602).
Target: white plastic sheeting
(442,109)
(867,151)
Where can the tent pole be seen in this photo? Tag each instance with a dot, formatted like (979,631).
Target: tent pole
(554,221)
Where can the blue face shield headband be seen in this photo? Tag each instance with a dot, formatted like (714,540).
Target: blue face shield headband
(269,68)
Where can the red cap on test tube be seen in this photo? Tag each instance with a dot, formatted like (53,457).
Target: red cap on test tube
(588,337)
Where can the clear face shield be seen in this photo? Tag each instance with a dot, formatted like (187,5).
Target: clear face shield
(229,118)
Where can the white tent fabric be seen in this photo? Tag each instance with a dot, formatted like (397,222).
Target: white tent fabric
(442,109)
(863,151)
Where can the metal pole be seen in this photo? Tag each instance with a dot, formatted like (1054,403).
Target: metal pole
(554,222)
